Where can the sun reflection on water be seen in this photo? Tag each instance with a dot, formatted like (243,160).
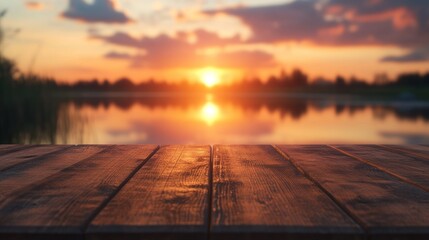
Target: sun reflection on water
(210,113)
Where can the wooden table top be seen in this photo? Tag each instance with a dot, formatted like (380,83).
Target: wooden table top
(214,192)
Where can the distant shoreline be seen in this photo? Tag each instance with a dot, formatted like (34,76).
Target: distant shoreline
(345,98)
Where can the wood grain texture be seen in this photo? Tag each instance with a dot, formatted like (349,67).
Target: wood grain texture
(387,207)
(62,205)
(258,194)
(414,150)
(168,198)
(9,148)
(29,153)
(5,146)
(409,168)
(17,178)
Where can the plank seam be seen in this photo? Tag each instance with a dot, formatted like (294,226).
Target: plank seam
(403,179)
(38,158)
(210,193)
(118,189)
(403,151)
(47,178)
(23,190)
(357,220)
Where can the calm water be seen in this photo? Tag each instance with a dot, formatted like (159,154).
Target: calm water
(208,119)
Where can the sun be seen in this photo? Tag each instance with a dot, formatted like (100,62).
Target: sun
(210,77)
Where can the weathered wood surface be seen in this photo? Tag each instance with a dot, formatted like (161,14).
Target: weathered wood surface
(256,193)
(6,146)
(383,204)
(228,192)
(409,168)
(5,149)
(63,204)
(414,150)
(23,175)
(25,155)
(168,198)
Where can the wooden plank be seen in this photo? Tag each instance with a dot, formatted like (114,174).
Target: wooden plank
(9,148)
(27,154)
(387,207)
(258,194)
(411,169)
(16,178)
(416,150)
(6,146)
(168,198)
(62,205)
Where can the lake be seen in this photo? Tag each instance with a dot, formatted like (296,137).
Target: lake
(124,118)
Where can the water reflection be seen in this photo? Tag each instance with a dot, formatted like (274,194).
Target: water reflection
(39,121)
(185,119)
(210,113)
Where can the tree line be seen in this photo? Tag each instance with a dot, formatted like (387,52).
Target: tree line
(297,80)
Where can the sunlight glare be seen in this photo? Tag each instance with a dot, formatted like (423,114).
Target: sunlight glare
(210,113)
(210,77)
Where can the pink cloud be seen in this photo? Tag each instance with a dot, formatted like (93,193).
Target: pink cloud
(401,18)
(400,23)
(177,52)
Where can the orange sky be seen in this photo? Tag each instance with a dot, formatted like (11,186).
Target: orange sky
(173,40)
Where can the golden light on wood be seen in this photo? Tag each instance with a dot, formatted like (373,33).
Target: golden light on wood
(210,77)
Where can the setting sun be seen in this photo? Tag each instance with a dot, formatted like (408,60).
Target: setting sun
(210,77)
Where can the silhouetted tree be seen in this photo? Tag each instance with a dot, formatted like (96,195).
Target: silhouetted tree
(426,79)
(381,79)
(354,82)
(322,82)
(105,85)
(284,79)
(299,79)
(2,14)
(410,80)
(123,84)
(340,82)
(273,83)
(8,69)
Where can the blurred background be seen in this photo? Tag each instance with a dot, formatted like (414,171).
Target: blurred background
(214,71)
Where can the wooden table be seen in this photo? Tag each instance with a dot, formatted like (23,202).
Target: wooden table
(220,192)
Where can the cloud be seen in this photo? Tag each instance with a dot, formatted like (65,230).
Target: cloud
(164,51)
(298,20)
(419,55)
(33,5)
(339,22)
(100,11)
(208,39)
(184,40)
(400,23)
(118,55)
(244,59)
(160,52)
